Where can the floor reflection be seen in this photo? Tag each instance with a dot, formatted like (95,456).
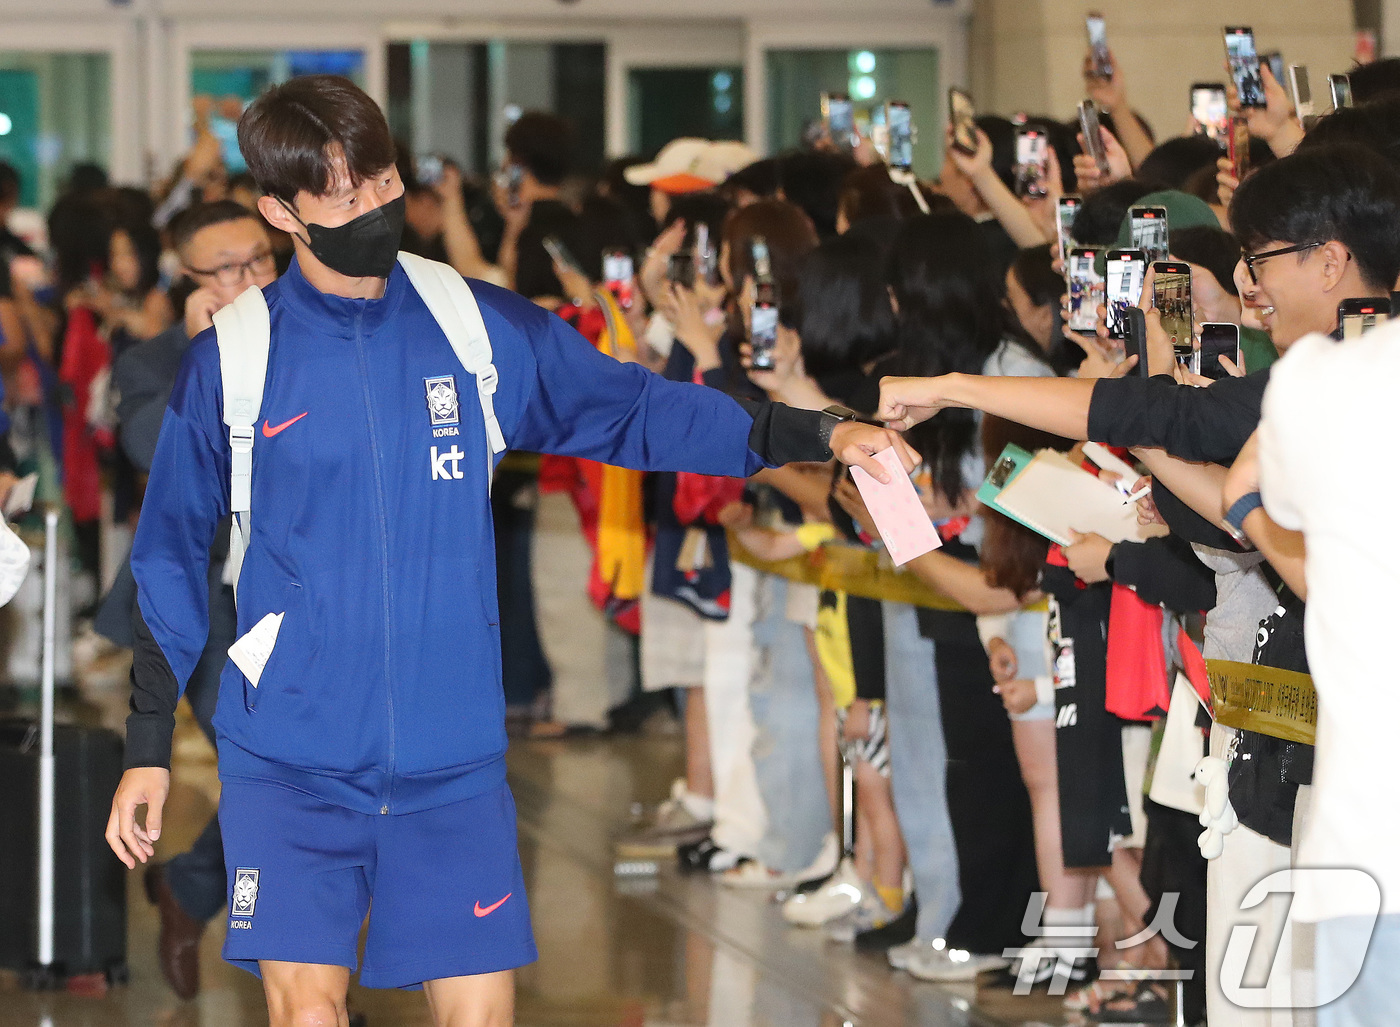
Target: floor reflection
(630,952)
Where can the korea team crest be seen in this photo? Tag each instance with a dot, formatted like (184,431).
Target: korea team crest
(443,408)
(245,892)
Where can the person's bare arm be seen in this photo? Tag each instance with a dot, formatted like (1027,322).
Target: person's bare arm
(1112,95)
(1284,549)
(1018,222)
(1058,405)
(458,237)
(963,583)
(1199,486)
(770,545)
(807,485)
(12,328)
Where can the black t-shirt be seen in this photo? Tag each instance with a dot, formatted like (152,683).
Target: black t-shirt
(534,269)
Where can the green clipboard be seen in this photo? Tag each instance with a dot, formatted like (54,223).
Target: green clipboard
(1005,469)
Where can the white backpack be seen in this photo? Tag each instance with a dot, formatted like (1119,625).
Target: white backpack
(245,337)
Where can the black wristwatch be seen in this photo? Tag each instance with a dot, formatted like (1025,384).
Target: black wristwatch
(831,417)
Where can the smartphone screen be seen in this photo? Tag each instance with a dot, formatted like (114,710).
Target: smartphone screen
(1085,289)
(1360,316)
(901,128)
(1210,110)
(1098,45)
(1149,228)
(1302,93)
(1275,61)
(1171,295)
(1341,91)
(1244,66)
(617,275)
(960,116)
(1239,146)
(1218,340)
(1032,161)
(839,117)
(1065,210)
(1089,128)
(1122,287)
(763,334)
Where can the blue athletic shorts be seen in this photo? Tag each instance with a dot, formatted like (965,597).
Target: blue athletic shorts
(446,883)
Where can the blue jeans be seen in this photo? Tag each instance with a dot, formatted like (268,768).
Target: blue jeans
(786,750)
(197,878)
(919,769)
(1371,1000)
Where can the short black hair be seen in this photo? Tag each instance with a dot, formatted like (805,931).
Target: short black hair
(1338,191)
(707,207)
(543,144)
(1372,81)
(760,178)
(1375,125)
(1175,161)
(813,180)
(193,220)
(1102,212)
(288,134)
(1214,249)
(9,183)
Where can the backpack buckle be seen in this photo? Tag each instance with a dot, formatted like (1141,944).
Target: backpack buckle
(240,438)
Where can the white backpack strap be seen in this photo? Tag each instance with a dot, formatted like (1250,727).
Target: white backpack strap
(245,335)
(449,299)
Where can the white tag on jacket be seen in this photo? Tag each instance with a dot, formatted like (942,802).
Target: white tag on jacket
(251,652)
(14,563)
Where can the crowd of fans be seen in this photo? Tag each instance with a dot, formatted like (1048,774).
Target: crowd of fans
(1036,735)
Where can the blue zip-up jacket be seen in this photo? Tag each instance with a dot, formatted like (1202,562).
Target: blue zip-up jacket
(372,534)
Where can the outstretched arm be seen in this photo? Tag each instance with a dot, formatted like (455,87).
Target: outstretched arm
(1058,405)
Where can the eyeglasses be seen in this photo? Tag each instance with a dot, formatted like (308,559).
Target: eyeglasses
(234,272)
(1250,259)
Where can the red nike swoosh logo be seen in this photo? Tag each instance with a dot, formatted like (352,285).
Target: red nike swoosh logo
(268,431)
(491,908)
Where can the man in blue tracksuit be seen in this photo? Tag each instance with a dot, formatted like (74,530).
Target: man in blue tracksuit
(367,761)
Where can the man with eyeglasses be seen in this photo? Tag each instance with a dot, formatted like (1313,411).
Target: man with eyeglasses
(224,249)
(1317,228)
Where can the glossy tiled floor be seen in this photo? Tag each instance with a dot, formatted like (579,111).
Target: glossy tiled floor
(658,951)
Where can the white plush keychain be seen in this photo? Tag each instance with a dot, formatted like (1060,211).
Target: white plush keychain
(14,562)
(1218,818)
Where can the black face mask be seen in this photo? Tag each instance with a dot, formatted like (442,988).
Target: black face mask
(366,247)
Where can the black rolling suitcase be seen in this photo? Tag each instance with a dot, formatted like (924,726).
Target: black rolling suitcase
(63,903)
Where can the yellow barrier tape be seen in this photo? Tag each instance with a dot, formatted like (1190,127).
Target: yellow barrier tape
(1281,703)
(851,569)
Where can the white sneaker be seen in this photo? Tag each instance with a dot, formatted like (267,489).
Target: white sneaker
(899,955)
(751,873)
(869,913)
(825,863)
(837,897)
(937,962)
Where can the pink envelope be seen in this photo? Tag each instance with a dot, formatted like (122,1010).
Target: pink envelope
(899,516)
